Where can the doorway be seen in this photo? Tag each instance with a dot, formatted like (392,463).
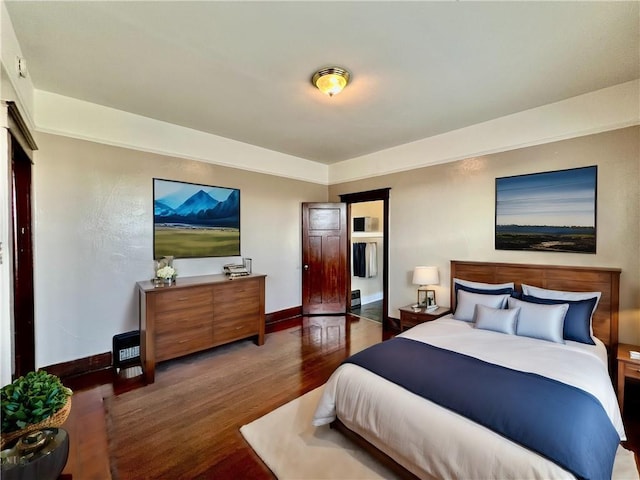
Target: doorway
(367,244)
(17,295)
(23,291)
(380,195)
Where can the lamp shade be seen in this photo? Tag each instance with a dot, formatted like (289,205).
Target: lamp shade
(426,276)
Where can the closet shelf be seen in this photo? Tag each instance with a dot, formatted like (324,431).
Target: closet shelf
(366,234)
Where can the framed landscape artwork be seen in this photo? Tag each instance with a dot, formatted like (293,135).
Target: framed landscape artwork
(192,220)
(549,211)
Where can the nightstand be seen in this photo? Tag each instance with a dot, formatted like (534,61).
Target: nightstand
(410,317)
(627,368)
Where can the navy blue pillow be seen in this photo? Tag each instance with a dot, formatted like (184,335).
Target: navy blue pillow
(483,291)
(577,321)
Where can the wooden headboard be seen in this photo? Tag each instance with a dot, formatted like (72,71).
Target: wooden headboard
(554,277)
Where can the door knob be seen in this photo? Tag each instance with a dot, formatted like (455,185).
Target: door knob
(306,267)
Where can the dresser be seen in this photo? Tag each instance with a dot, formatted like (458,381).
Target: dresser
(197,313)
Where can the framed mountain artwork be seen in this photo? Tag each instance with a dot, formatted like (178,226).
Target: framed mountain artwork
(192,220)
(548,211)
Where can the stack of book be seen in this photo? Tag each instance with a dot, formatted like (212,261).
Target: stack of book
(234,271)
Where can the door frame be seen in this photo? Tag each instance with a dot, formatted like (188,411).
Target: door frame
(372,196)
(17,141)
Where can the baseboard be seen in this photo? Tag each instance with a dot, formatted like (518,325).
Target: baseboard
(283,319)
(84,372)
(70,371)
(366,299)
(81,365)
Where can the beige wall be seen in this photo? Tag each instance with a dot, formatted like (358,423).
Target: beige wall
(93,228)
(446,212)
(94,232)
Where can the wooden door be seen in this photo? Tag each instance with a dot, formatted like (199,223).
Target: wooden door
(23,292)
(324,258)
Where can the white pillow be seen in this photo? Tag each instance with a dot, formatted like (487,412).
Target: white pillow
(486,286)
(541,321)
(497,319)
(467,301)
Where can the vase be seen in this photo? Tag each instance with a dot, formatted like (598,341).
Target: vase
(169,281)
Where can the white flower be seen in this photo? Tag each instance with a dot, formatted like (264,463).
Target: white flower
(166,272)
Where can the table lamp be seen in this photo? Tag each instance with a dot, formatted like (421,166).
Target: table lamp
(424,276)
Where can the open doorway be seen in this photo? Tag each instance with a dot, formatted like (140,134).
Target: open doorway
(367,267)
(382,196)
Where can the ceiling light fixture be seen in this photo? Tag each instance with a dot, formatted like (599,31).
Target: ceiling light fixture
(331,80)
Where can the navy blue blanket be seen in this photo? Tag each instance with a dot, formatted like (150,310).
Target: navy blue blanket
(562,423)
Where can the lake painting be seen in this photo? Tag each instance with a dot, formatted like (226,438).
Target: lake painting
(549,211)
(192,220)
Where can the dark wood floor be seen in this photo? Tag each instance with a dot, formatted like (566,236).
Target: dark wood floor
(372,311)
(323,342)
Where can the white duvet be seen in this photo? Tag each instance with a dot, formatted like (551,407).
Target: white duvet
(433,442)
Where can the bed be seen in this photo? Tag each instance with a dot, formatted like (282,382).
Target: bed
(425,439)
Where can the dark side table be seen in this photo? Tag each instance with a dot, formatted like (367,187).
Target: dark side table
(627,368)
(410,317)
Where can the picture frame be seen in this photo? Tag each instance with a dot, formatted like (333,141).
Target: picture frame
(431,298)
(193,220)
(549,211)
(422,298)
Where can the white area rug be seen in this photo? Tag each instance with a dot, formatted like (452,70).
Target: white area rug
(294,449)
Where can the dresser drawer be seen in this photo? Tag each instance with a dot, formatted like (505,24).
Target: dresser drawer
(184,298)
(178,320)
(188,339)
(632,370)
(412,318)
(235,294)
(234,329)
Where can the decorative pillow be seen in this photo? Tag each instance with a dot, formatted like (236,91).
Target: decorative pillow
(467,302)
(540,321)
(560,295)
(497,319)
(577,321)
(483,286)
(484,291)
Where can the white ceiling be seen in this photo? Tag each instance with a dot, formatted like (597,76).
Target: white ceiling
(242,70)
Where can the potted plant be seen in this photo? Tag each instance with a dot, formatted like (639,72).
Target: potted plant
(31,402)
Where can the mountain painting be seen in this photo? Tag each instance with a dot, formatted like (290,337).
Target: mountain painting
(549,211)
(191,220)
